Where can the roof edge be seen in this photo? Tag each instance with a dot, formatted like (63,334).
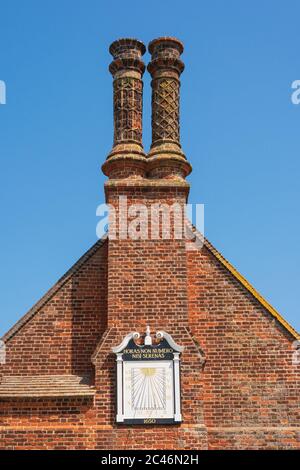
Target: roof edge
(53,290)
(237,275)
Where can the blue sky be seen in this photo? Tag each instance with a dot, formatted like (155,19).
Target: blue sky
(240,131)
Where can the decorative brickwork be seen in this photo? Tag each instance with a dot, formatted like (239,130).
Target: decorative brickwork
(166,159)
(128,110)
(127,158)
(165,69)
(127,69)
(165,105)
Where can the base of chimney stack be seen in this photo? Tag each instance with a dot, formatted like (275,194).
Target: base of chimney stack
(124,161)
(167,160)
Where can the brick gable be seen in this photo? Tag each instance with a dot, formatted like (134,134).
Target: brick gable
(59,334)
(239,386)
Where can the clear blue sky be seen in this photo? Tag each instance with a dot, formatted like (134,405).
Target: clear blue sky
(239,130)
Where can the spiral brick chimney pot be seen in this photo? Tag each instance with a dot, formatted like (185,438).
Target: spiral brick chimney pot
(127,157)
(166,158)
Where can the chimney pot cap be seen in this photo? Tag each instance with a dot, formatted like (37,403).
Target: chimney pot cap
(167,41)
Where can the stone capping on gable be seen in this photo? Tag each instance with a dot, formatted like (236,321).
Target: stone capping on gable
(46,386)
(54,289)
(245,283)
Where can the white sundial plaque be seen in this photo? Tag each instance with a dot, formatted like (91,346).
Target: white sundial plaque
(148,380)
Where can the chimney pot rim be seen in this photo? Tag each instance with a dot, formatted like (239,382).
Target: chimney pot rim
(166,39)
(165,64)
(133,42)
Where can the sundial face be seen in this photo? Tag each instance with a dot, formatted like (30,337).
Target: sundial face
(148,389)
(148,381)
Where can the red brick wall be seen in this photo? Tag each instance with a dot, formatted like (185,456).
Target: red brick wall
(61,337)
(147,276)
(245,396)
(251,387)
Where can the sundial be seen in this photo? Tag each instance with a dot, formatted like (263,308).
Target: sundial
(148,380)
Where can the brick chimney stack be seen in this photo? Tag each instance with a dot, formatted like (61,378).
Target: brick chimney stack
(166,158)
(151,266)
(147,275)
(127,157)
